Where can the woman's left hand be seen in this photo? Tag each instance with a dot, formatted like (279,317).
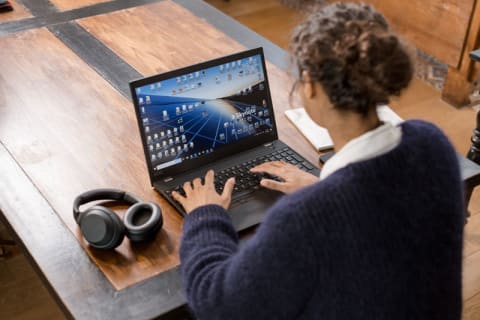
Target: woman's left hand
(293,177)
(198,194)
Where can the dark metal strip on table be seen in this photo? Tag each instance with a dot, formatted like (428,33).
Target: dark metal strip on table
(103,60)
(45,14)
(38,7)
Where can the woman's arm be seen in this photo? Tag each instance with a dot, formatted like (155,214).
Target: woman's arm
(271,277)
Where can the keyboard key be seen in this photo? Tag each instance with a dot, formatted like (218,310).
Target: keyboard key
(307,165)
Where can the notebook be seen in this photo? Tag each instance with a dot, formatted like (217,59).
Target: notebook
(216,115)
(318,136)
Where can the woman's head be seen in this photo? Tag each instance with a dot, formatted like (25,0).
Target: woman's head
(349,50)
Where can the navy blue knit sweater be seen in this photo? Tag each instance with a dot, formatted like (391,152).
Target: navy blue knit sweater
(378,239)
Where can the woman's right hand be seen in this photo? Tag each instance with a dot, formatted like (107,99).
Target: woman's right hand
(293,177)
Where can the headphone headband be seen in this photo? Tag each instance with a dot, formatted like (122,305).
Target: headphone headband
(102,194)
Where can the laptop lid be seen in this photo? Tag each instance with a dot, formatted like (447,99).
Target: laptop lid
(192,116)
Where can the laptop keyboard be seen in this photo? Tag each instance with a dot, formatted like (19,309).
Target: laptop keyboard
(247,182)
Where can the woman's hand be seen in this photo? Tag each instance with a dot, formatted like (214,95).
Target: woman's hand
(198,194)
(293,177)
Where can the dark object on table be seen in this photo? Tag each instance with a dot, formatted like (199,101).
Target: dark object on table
(103,229)
(324,157)
(5,6)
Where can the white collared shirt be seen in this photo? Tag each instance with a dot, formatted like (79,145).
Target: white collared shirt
(367,146)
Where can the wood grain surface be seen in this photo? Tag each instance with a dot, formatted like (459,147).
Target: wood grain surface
(421,101)
(82,134)
(263,17)
(438,27)
(74,4)
(70,131)
(152,39)
(19,12)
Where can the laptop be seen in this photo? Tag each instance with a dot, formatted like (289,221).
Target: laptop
(213,115)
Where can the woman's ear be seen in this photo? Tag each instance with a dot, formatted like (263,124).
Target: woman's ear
(307,85)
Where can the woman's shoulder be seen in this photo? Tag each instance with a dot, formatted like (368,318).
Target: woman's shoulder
(417,128)
(427,140)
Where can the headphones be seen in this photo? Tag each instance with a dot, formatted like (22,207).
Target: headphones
(103,229)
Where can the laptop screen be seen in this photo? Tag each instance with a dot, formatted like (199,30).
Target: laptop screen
(190,116)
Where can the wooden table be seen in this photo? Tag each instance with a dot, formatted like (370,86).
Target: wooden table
(67,125)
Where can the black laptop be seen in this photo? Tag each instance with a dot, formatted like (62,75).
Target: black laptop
(213,115)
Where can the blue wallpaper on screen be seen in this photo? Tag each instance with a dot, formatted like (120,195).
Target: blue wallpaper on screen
(198,113)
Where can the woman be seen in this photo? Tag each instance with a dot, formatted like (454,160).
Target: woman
(378,236)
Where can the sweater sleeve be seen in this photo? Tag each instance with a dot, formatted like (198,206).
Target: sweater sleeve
(271,276)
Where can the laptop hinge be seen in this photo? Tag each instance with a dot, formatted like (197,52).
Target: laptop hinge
(168,179)
(268,144)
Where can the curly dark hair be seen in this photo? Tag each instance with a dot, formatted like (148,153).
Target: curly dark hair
(349,49)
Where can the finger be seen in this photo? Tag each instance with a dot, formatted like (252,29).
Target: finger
(276,170)
(178,197)
(228,188)
(274,185)
(264,167)
(197,182)
(187,186)
(261,167)
(209,177)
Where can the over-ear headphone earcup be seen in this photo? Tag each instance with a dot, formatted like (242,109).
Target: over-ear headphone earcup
(102,228)
(142,221)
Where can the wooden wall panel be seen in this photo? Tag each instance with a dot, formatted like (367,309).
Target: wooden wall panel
(19,12)
(70,131)
(74,4)
(438,27)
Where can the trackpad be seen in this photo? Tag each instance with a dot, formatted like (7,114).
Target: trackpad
(251,210)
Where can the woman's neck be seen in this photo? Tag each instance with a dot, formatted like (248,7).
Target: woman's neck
(345,126)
